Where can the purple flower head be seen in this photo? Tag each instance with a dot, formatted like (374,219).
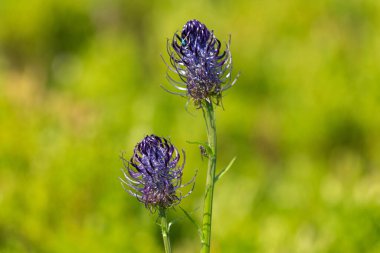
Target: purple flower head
(203,68)
(154,174)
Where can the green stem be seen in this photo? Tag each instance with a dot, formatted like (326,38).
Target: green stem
(165,230)
(208,113)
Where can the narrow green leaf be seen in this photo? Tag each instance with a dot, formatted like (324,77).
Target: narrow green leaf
(203,144)
(170,225)
(192,221)
(225,169)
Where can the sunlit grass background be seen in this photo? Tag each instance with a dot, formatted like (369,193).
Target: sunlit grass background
(80,83)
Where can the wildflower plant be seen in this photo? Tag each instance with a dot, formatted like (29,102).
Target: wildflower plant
(153,175)
(204,72)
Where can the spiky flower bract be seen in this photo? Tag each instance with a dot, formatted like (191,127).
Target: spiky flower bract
(155,175)
(203,68)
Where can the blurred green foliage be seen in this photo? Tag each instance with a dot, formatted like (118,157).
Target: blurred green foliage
(80,83)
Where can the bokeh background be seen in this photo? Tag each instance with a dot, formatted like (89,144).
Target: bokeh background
(80,83)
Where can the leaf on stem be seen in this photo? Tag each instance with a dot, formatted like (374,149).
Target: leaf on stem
(192,221)
(217,177)
(204,145)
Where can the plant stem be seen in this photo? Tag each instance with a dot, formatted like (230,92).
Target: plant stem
(165,230)
(208,113)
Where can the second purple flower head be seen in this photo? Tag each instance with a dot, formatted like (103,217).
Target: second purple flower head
(153,174)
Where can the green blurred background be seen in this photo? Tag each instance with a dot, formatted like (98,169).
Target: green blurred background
(80,83)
